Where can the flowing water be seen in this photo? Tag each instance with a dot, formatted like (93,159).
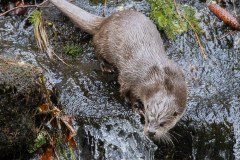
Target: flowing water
(107,128)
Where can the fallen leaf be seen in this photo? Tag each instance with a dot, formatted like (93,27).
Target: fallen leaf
(49,153)
(71,141)
(21,10)
(44,108)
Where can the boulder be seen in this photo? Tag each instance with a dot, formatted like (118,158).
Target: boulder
(21,92)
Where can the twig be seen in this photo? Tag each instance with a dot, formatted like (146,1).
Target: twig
(234,8)
(25,6)
(194,30)
(198,40)
(104,8)
(60,59)
(228,33)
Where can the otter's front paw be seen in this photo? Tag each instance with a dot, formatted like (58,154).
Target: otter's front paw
(106,67)
(138,107)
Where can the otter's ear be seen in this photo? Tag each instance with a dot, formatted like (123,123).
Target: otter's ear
(175,114)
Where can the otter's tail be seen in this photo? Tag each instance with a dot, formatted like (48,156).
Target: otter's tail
(86,21)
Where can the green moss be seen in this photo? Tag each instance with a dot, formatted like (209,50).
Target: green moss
(189,13)
(72,50)
(164,14)
(35,18)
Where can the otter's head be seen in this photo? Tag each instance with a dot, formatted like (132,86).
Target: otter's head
(162,112)
(163,96)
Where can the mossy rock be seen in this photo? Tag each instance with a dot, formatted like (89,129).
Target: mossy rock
(21,92)
(165,15)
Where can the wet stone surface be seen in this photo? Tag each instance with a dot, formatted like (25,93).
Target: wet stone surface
(107,128)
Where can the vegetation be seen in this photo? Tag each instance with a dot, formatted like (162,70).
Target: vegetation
(169,17)
(41,35)
(39,142)
(72,50)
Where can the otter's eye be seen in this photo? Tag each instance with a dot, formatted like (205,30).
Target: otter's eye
(175,114)
(162,124)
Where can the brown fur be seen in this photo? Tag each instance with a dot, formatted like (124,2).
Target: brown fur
(131,43)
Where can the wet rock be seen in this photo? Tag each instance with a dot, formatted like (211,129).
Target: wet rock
(114,139)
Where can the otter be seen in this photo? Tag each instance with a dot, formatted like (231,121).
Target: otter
(128,42)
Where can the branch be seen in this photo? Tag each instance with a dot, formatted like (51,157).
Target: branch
(25,6)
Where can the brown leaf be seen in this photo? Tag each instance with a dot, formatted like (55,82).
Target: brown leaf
(44,108)
(71,141)
(49,153)
(20,11)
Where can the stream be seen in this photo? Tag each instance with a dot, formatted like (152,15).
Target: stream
(106,126)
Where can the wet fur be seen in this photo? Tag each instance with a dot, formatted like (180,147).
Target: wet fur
(131,43)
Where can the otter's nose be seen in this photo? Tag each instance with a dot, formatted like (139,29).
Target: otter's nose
(151,132)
